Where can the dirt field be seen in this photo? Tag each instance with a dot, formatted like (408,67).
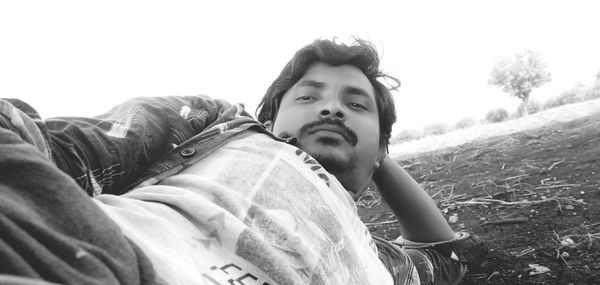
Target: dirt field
(533,195)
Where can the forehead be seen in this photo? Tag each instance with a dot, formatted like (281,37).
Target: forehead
(338,76)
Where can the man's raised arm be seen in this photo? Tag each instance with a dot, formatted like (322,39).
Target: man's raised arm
(419,218)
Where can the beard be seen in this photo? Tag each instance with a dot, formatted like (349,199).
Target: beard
(335,165)
(329,155)
(328,152)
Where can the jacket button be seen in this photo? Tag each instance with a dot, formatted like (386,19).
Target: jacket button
(188,152)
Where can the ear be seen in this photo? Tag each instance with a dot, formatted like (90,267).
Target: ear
(268,125)
(383,151)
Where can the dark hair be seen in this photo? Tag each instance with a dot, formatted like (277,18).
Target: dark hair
(361,54)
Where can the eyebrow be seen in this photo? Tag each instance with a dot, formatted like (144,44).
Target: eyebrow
(356,91)
(311,83)
(321,85)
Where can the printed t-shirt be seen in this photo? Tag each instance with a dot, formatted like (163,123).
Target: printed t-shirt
(256,211)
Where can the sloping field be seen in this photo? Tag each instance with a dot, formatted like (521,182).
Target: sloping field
(530,187)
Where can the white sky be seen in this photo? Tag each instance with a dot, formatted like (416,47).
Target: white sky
(79,58)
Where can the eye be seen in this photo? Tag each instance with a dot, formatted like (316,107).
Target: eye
(305,98)
(358,106)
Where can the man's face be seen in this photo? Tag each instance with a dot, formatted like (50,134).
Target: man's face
(332,112)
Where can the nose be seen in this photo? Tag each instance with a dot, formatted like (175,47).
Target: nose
(332,109)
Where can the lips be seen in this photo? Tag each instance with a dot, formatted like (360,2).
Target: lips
(329,125)
(332,129)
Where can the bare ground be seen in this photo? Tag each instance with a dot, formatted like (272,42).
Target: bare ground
(532,194)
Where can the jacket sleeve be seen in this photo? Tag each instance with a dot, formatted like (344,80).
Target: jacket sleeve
(49,228)
(104,154)
(436,263)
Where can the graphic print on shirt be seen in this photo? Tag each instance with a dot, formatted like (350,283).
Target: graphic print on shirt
(314,245)
(314,165)
(286,224)
(229,272)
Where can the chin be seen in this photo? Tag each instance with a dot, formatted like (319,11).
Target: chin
(334,162)
(331,155)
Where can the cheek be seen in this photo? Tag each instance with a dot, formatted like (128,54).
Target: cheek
(371,147)
(286,125)
(290,118)
(369,141)
(369,132)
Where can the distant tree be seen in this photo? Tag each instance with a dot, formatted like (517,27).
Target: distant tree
(518,75)
(465,123)
(436,129)
(598,76)
(407,135)
(496,115)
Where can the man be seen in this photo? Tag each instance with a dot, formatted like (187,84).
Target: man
(192,190)
(331,99)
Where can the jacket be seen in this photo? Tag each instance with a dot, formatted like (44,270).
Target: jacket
(142,140)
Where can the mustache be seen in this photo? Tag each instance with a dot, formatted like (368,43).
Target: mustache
(347,133)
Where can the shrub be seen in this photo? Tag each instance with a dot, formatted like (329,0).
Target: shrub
(594,91)
(465,123)
(406,136)
(496,115)
(532,107)
(573,95)
(550,103)
(436,129)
